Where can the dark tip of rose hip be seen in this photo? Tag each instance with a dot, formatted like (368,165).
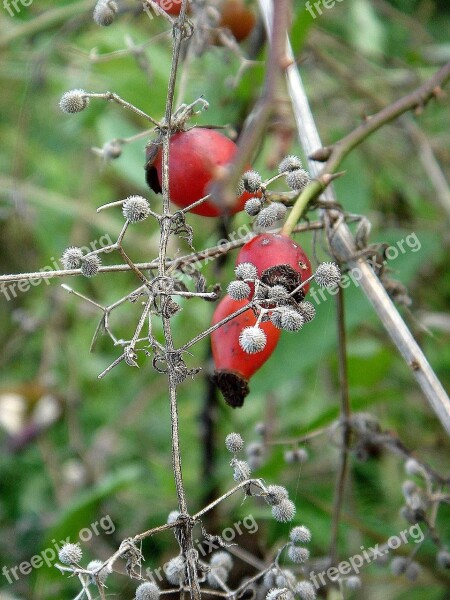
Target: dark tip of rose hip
(286,276)
(233,387)
(151,177)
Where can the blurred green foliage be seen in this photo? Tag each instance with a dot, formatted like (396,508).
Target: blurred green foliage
(108,452)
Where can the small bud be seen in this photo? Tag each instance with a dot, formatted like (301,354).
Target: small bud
(267,217)
(297,180)
(291,320)
(241,469)
(305,590)
(222,559)
(105,12)
(252,181)
(408,488)
(238,290)
(135,209)
(298,554)
(70,554)
(398,565)
(252,339)
(260,428)
(234,442)
(255,449)
(299,455)
(253,206)
(71,258)
(290,163)
(90,265)
(443,559)
(300,534)
(73,101)
(275,494)
(327,274)
(101,575)
(175,570)
(307,310)
(413,571)
(352,583)
(284,512)
(112,150)
(246,271)
(147,591)
(172,517)
(412,467)
(278,293)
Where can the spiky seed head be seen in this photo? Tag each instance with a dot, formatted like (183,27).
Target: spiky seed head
(285,579)
(305,590)
(298,554)
(221,559)
(73,101)
(307,310)
(413,571)
(90,265)
(253,206)
(290,163)
(71,258)
(238,290)
(175,570)
(216,577)
(398,565)
(298,455)
(260,293)
(241,469)
(234,442)
(147,591)
(284,512)
(267,217)
(252,339)
(172,517)
(252,181)
(275,318)
(101,575)
(105,12)
(112,150)
(278,293)
(443,559)
(300,535)
(279,594)
(240,188)
(297,180)
(275,494)
(291,320)
(269,578)
(246,270)
(70,554)
(255,449)
(353,582)
(135,209)
(408,488)
(327,274)
(280,210)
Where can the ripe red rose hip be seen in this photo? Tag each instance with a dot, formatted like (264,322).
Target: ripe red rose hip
(279,260)
(236,17)
(194,159)
(233,366)
(171,7)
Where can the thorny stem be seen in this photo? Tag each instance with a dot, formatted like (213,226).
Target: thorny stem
(346,430)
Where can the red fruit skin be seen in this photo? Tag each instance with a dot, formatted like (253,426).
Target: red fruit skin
(194,157)
(234,367)
(171,7)
(268,250)
(236,17)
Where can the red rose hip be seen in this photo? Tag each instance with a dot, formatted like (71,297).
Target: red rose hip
(194,159)
(233,366)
